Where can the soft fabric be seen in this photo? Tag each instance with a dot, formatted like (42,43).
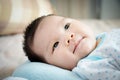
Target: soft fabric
(104,62)
(15,15)
(14,78)
(42,71)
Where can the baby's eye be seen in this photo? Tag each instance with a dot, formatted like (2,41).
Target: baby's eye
(67,26)
(55,45)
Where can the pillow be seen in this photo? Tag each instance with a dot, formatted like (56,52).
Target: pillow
(15,15)
(14,78)
(42,71)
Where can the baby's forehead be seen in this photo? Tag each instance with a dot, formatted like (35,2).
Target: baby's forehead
(50,21)
(52,18)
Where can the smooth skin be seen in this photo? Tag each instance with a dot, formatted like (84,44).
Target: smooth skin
(63,41)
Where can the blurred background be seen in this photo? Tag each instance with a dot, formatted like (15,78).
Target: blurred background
(88,9)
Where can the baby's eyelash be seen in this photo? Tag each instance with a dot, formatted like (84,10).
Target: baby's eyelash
(55,45)
(67,26)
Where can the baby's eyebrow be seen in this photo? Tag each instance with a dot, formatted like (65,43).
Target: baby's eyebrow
(48,46)
(62,20)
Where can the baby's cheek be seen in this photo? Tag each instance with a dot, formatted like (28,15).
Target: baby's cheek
(90,46)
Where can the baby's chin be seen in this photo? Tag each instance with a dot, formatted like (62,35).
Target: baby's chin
(71,66)
(90,47)
(78,58)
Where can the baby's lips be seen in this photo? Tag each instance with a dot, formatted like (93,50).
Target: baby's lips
(77,43)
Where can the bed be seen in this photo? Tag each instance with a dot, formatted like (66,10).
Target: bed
(12,28)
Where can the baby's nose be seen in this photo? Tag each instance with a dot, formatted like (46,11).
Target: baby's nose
(70,38)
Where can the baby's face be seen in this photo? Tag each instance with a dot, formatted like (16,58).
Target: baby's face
(63,41)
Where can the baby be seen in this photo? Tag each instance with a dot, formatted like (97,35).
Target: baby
(70,44)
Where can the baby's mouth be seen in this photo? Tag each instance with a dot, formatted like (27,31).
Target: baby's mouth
(77,43)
